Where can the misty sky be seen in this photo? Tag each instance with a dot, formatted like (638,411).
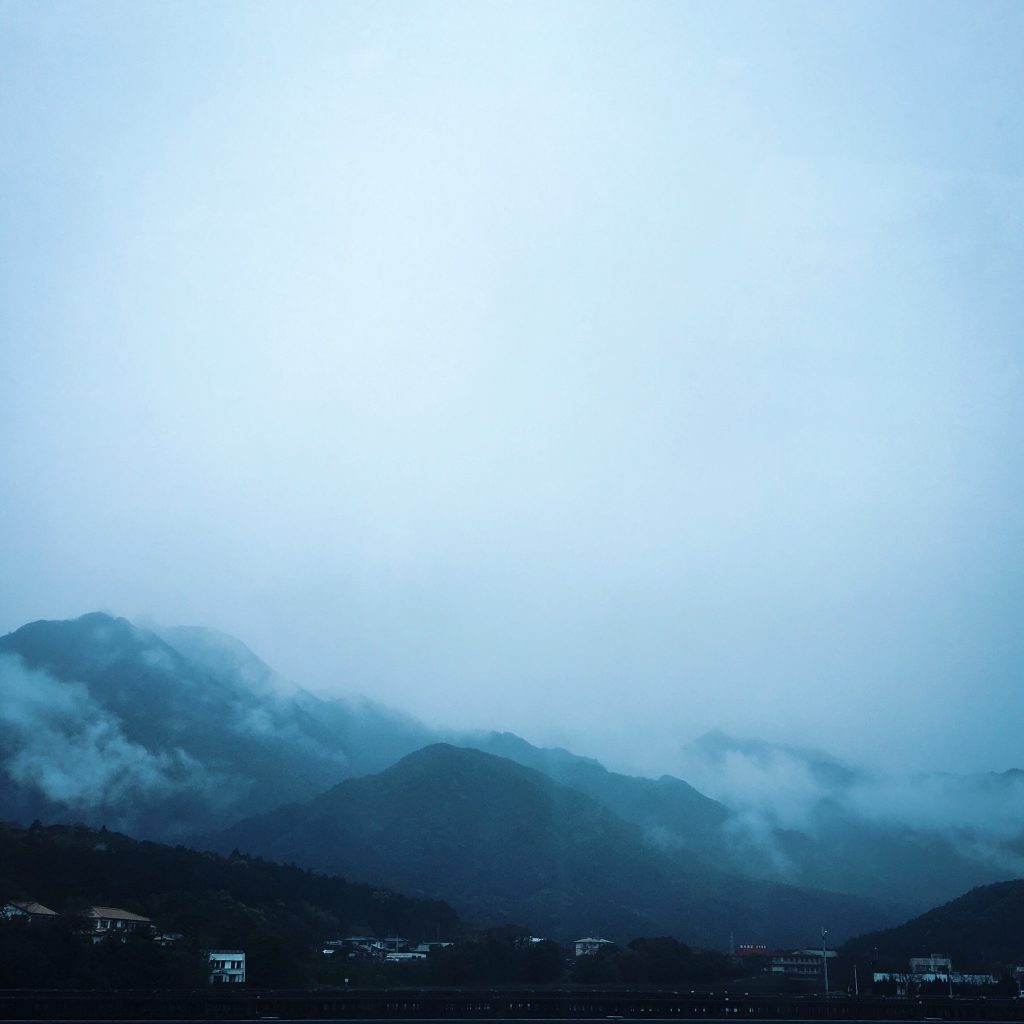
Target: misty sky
(606,372)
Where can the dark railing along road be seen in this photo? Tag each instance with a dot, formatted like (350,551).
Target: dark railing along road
(487,1004)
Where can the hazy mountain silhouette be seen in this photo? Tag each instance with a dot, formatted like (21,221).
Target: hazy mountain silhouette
(980,930)
(503,843)
(667,803)
(839,843)
(177,732)
(802,816)
(111,723)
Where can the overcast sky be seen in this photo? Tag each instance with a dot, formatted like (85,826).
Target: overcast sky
(606,372)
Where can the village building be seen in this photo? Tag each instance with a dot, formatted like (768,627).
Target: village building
(356,947)
(226,966)
(102,922)
(926,970)
(936,963)
(799,963)
(429,947)
(589,946)
(27,912)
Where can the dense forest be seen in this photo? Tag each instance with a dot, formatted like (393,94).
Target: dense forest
(982,930)
(280,915)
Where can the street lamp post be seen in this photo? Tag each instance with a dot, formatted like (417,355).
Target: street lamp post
(824,958)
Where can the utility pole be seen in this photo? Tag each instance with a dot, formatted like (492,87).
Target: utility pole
(824,958)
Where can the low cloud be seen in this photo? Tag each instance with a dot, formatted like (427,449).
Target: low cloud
(783,785)
(990,804)
(773,787)
(56,739)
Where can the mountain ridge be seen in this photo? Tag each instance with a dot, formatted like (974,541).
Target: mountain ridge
(505,843)
(977,930)
(106,722)
(191,746)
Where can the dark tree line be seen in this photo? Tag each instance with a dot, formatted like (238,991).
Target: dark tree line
(280,915)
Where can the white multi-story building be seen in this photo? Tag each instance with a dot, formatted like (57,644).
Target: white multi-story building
(227,966)
(936,963)
(588,946)
(797,963)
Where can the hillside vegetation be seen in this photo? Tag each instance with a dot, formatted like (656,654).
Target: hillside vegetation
(505,843)
(279,914)
(981,930)
(177,734)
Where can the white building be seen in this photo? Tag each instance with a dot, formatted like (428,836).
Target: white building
(797,963)
(588,947)
(934,964)
(926,970)
(227,966)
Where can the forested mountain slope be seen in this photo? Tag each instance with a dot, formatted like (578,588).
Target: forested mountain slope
(981,930)
(505,843)
(104,722)
(276,913)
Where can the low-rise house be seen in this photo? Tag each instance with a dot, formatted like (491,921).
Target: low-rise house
(800,963)
(931,970)
(356,947)
(429,947)
(27,912)
(934,964)
(226,966)
(590,946)
(102,922)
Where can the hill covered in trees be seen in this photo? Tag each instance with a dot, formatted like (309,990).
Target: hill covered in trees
(507,844)
(177,733)
(170,733)
(279,914)
(982,930)
(163,734)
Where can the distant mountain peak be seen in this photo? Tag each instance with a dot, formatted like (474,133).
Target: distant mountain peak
(716,746)
(105,721)
(505,842)
(222,653)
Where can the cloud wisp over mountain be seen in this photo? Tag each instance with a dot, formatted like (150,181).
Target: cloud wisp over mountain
(63,742)
(110,723)
(786,784)
(777,790)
